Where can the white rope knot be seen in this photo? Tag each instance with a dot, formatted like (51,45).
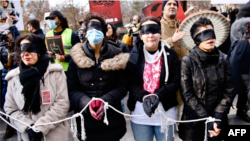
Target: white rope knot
(210,119)
(94,98)
(74,126)
(76,115)
(34,129)
(106,106)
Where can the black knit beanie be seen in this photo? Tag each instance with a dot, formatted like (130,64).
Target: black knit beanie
(244,11)
(164,3)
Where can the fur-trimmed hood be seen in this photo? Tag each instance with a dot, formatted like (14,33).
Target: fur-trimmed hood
(241,29)
(118,62)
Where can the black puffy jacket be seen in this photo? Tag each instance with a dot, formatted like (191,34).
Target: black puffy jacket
(206,91)
(104,78)
(120,44)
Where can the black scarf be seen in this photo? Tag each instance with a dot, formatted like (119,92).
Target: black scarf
(30,79)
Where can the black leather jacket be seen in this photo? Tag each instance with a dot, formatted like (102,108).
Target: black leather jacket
(199,100)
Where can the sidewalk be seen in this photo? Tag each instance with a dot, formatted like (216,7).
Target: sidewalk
(233,120)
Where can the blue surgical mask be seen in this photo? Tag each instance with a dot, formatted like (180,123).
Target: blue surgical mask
(52,24)
(95,36)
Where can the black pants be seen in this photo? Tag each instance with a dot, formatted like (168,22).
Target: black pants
(242,101)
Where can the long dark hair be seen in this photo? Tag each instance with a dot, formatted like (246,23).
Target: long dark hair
(64,22)
(33,39)
(114,36)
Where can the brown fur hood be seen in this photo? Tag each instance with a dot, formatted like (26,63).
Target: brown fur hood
(118,62)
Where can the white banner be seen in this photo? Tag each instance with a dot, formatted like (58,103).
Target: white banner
(12,9)
(229,1)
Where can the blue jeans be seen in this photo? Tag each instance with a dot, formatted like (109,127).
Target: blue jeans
(147,132)
(5,85)
(123,105)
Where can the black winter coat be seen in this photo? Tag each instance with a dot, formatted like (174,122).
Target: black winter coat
(120,44)
(199,101)
(166,92)
(240,63)
(104,78)
(39,33)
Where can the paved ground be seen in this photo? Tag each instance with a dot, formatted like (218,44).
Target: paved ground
(233,120)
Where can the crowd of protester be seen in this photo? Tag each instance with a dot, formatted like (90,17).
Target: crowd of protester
(149,64)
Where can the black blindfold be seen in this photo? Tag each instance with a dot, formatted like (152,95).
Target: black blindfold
(35,48)
(203,36)
(150,28)
(94,25)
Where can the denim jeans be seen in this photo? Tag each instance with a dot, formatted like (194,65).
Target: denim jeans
(147,132)
(123,105)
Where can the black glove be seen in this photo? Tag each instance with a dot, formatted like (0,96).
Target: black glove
(130,32)
(147,106)
(150,104)
(154,101)
(33,136)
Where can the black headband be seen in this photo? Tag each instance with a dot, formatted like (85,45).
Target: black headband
(150,28)
(203,36)
(28,47)
(94,25)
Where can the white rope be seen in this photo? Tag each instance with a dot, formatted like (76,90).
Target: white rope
(106,106)
(149,96)
(10,124)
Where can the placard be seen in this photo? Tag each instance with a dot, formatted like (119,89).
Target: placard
(55,45)
(110,10)
(13,10)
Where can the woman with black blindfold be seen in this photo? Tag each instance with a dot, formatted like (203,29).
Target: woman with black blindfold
(206,85)
(97,70)
(37,93)
(154,80)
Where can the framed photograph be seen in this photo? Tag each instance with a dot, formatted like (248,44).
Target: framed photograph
(55,45)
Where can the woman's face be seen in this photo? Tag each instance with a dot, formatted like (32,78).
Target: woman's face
(109,33)
(28,58)
(151,41)
(209,44)
(5,3)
